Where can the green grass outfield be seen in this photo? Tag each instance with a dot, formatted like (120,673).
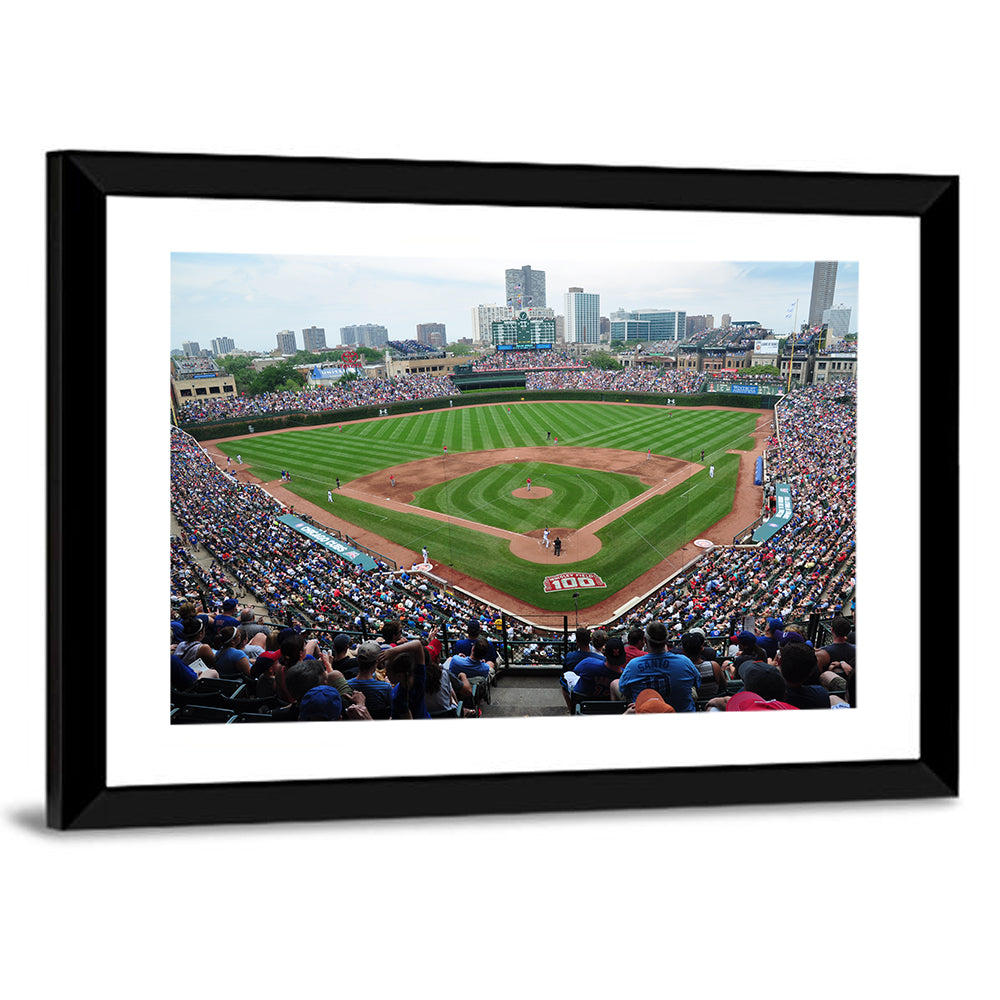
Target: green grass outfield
(631,545)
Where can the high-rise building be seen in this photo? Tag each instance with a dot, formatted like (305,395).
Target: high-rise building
(314,338)
(583,317)
(695,324)
(191,348)
(664,324)
(823,287)
(630,329)
(431,334)
(286,342)
(524,288)
(838,323)
(726,321)
(223,345)
(364,335)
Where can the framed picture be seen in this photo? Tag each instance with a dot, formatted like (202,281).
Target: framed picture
(118,225)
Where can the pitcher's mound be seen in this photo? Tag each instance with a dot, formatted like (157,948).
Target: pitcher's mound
(535,493)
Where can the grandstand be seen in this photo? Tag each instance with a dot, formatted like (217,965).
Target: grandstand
(228,545)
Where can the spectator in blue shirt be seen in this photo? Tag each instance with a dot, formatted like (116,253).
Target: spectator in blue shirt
(672,674)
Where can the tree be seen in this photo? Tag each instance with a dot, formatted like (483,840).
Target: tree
(603,360)
(762,370)
(460,350)
(276,378)
(241,368)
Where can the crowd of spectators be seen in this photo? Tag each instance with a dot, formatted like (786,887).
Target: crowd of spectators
(640,379)
(808,565)
(282,574)
(411,348)
(357,392)
(189,366)
(503,360)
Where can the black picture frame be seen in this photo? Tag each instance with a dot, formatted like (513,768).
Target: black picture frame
(79,184)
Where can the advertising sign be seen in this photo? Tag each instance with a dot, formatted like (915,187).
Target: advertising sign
(328,541)
(572,581)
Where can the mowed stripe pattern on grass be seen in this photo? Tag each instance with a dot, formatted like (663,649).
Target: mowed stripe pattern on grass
(320,455)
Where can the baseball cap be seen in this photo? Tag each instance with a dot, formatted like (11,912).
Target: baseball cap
(229,602)
(320,704)
(697,631)
(368,651)
(649,701)
(775,624)
(750,701)
(762,679)
(787,637)
(614,651)
(341,642)
(746,637)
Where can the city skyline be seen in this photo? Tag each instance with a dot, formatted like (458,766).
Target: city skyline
(253,297)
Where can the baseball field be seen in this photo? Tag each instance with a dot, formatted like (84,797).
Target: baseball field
(623,487)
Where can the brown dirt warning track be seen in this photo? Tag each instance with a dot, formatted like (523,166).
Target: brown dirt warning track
(659,473)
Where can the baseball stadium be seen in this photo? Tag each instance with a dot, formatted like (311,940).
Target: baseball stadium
(503,540)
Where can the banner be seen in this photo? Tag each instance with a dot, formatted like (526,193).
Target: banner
(328,541)
(572,581)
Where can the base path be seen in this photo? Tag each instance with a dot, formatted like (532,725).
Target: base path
(659,473)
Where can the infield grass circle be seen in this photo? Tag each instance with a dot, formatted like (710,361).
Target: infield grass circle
(578,496)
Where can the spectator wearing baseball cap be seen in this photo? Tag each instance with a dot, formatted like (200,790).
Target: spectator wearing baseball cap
(342,658)
(672,674)
(594,673)
(797,663)
(378,694)
(749,651)
(473,630)
(227,617)
(771,637)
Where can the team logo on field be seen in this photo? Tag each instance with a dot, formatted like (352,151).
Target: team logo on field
(572,581)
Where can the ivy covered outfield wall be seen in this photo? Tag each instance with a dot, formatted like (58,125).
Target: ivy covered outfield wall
(229,428)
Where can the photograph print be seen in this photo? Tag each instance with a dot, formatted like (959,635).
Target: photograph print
(444,488)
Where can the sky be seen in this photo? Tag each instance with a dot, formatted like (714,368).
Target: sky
(251,297)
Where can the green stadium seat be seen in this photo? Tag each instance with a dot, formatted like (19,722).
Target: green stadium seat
(190,714)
